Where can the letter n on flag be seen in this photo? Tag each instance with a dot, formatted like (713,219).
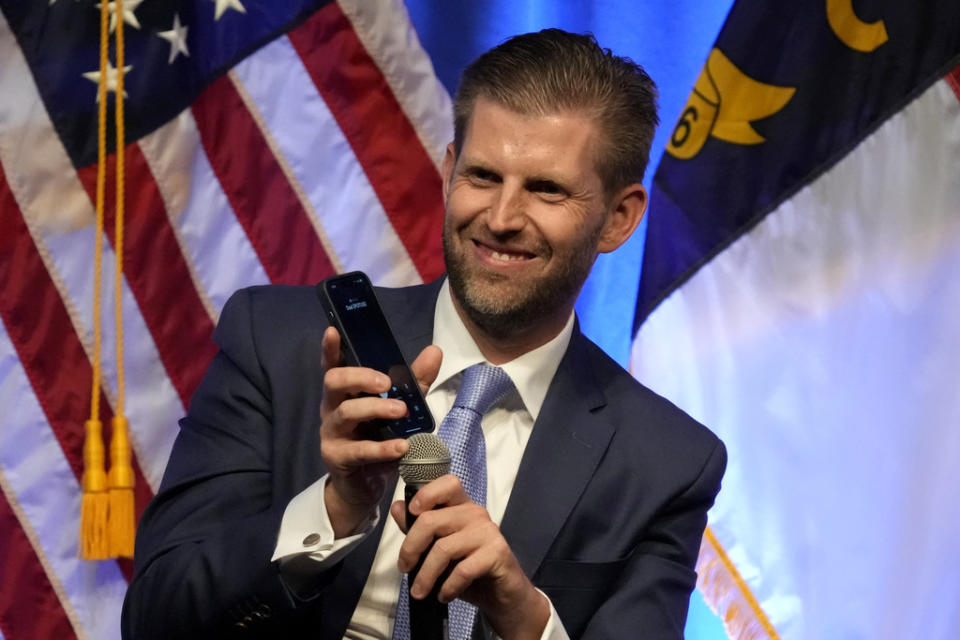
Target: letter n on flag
(800,294)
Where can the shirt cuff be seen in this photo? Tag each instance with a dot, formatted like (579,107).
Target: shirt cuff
(306,532)
(554,629)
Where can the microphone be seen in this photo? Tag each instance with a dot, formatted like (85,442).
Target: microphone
(427,459)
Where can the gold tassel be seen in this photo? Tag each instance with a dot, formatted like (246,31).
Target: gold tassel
(95,504)
(727,594)
(120,481)
(107,522)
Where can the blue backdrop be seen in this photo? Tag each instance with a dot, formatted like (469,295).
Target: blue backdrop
(671,39)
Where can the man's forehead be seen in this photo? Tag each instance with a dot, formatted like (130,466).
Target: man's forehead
(493,108)
(559,144)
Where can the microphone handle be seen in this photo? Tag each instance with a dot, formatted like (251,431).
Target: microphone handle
(428,617)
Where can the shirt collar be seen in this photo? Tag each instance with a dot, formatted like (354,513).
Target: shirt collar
(531,373)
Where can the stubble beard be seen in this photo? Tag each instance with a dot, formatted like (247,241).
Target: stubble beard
(503,308)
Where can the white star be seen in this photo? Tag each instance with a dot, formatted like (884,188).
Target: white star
(94,76)
(177,37)
(129,6)
(223,5)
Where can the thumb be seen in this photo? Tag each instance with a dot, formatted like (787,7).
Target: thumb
(427,366)
(398,510)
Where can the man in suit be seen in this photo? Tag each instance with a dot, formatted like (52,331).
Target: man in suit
(270,524)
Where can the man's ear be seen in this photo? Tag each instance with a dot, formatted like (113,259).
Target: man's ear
(626,211)
(449,162)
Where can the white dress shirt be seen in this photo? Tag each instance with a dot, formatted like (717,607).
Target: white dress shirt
(506,430)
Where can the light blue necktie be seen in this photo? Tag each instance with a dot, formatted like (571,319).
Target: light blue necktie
(482,387)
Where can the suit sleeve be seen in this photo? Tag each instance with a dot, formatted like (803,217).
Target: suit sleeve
(652,594)
(202,562)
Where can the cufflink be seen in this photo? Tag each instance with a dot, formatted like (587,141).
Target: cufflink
(311,540)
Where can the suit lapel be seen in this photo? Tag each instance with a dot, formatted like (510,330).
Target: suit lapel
(410,314)
(565,447)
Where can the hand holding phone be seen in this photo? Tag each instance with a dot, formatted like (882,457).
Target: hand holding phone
(366,340)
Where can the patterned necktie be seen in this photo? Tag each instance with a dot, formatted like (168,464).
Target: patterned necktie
(481,388)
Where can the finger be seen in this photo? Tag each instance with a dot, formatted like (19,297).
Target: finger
(468,546)
(348,454)
(330,349)
(427,366)
(341,383)
(434,525)
(343,421)
(445,490)
(483,561)
(398,510)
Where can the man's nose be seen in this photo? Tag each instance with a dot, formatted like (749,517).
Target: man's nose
(507,210)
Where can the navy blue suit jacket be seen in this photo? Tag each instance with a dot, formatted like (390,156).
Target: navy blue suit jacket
(606,514)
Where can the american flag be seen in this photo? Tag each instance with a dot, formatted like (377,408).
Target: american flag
(276,141)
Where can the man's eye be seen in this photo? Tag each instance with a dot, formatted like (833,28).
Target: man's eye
(482,175)
(548,188)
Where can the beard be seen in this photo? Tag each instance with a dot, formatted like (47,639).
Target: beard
(503,306)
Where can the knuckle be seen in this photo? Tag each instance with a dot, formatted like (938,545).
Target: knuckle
(443,548)
(358,453)
(342,413)
(428,518)
(331,453)
(476,512)
(331,377)
(372,451)
(461,573)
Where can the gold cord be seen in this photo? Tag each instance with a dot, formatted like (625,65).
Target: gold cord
(107,513)
(95,501)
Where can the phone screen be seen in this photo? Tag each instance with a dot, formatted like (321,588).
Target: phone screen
(367,340)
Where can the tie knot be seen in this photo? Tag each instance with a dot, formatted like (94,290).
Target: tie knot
(482,387)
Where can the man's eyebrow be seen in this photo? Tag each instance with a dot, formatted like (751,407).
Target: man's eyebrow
(542,178)
(476,168)
(547,181)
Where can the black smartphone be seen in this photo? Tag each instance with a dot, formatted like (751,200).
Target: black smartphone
(367,341)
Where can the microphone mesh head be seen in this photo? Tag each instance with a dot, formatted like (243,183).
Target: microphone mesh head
(427,459)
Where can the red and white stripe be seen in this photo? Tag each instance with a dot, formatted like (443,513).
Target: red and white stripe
(317,154)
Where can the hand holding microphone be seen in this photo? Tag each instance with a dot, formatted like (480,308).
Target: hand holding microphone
(426,460)
(454,550)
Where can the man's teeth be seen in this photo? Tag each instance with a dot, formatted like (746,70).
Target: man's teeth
(507,257)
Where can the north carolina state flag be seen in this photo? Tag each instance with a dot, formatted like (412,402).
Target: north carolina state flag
(800,295)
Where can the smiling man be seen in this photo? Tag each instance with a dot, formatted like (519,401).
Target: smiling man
(527,213)
(593,491)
